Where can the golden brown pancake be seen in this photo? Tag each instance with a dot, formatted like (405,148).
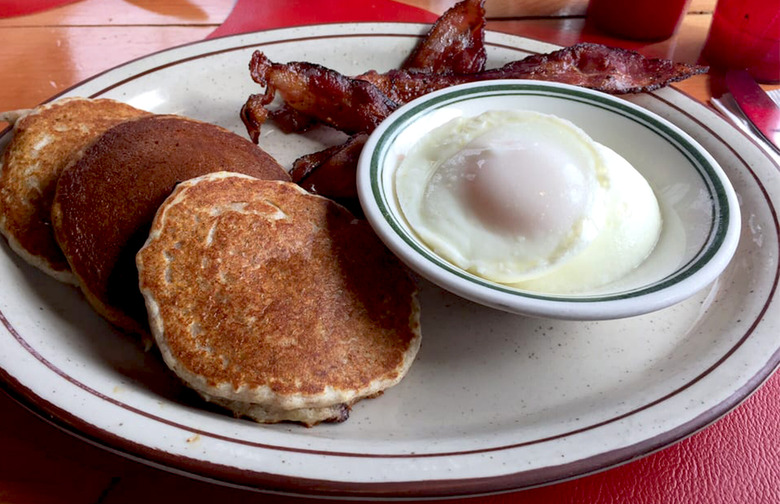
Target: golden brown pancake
(106,200)
(274,302)
(44,141)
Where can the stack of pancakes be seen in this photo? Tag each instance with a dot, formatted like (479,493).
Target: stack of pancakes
(270,301)
(106,200)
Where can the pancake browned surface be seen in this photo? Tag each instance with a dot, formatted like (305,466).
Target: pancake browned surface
(106,200)
(43,143)
(274,302)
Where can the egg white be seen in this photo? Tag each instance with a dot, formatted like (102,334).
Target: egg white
(527,199)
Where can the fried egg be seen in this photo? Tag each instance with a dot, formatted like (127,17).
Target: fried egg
(527,199)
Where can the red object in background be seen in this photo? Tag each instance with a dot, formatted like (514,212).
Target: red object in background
(11,8)
(248,16)
(638,19)
(745,35)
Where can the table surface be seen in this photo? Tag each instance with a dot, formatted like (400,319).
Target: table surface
(737,459)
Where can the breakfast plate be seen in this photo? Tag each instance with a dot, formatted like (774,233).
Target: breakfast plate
(494,402)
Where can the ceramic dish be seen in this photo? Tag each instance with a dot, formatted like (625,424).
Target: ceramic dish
(700,213)
(494,401)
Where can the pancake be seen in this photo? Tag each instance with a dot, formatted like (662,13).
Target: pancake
(44,141)
(105,201)
(273,302)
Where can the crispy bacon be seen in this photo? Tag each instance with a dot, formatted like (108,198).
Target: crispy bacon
(330,172)
(253,115)
(454,44)
(350,105)
(290,120)
(595,66)
(403,86)
(356,105)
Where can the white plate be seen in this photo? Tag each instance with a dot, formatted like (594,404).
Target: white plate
(494,402)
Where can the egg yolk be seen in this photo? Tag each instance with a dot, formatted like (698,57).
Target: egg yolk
(516,186)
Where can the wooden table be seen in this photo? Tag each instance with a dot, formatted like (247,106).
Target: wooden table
(42,54)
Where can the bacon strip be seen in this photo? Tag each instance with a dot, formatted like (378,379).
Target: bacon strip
(454,44)
(595,66)
(609,69)
(290,120)
(330,172)
(350,105)
(253,115)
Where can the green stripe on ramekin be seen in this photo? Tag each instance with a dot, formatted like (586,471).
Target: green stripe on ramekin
(720,209)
